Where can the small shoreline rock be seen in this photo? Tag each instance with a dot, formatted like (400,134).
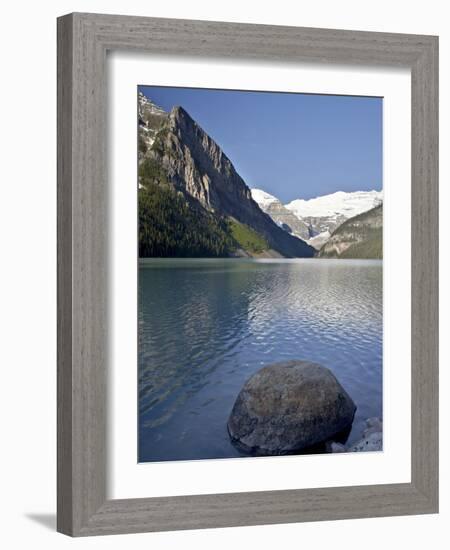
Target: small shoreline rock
(371,440)
(335,447)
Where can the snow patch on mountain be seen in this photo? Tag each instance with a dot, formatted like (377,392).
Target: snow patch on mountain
(336,204)
(319,240)
(145,104)
(150,119)
(263,198)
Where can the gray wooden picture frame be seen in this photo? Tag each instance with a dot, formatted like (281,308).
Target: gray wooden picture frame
(83,42)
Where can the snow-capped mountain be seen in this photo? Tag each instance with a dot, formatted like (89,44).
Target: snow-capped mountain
(283,217)
(314,220)
(337,204)
(150,117)
(262,198)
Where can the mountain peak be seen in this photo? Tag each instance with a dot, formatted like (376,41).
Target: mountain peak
(178,115)
(342,203)
(147,105)
(178,110)
(263,198)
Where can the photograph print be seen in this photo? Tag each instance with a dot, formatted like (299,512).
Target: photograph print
(260,273)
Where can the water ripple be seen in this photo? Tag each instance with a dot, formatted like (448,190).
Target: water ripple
(206,325)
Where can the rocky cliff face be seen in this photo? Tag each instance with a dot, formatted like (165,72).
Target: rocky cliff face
(358,237)
(196,166)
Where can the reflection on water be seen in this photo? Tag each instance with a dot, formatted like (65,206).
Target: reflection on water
(205,326)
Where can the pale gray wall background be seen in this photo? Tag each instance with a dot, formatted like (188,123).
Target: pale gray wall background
(28,234)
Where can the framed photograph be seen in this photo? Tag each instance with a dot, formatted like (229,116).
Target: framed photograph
(247,274)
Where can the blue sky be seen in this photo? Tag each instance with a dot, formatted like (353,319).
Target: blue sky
(291,145)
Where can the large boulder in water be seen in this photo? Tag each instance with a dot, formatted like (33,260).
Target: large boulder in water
(287,407)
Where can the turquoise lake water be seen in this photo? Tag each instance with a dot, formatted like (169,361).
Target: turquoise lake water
(205,326)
